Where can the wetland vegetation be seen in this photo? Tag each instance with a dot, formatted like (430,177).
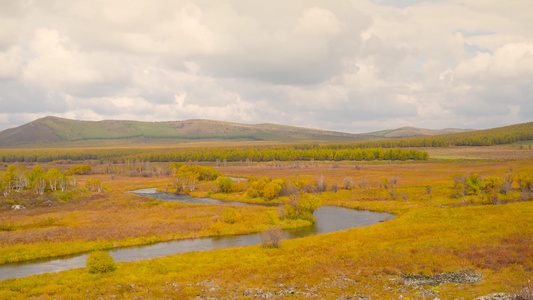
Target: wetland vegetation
(460,211)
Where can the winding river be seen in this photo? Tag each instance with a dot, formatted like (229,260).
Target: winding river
(328,219)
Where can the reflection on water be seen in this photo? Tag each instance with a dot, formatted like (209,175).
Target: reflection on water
(328,219)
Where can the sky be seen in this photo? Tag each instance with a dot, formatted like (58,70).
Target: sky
(353,66)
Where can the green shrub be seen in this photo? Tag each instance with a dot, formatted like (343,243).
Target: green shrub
(100,262)
(306,215)
(81,170)
(225,184)
(474,184)
(231,215)
(290,212)
(301,207)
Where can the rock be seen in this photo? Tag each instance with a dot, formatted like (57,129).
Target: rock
(17,207)
(459,277)
(496,296)
(525,293)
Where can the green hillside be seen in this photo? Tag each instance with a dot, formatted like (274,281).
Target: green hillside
(408,131)
(488,137)
(59,132)
(54,132)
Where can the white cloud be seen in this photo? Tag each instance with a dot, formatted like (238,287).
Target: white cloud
(512,63)
(58,64)
(318,21)
(346,65)
(138,108)
(11,62)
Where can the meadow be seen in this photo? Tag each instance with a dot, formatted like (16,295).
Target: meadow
(485,244)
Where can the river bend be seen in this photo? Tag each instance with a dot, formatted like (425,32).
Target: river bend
(328,219)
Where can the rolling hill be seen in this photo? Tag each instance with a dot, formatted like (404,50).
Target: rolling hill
(60,132)
(53,132)
(408,131)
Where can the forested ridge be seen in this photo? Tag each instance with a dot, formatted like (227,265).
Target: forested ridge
(488,137)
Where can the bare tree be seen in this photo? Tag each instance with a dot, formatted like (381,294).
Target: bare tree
(271,237)
(321,185)
(362,184)
(347,183)
(39,186)
(390,186)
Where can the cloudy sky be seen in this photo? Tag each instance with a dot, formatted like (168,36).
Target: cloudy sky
(353,66)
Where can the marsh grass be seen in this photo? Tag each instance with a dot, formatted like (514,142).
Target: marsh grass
(100,221)
(430,235)
(425,241)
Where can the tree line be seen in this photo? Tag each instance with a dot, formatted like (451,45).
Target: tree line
(299,152)
(18,178)
(284,153)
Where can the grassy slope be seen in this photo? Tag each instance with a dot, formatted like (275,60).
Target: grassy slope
(58,132)
(52,131)
(404,132)
(493,136)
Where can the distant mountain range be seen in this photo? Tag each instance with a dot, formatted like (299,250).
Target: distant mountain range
(60,132)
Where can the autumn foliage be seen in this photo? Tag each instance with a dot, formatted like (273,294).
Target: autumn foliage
(100,262)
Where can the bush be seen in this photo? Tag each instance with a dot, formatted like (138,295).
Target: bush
(301,207)
(100,262)
(272,237)
(347,183)
(225,184)
(308,203)
(80,170)
(231,215)
(266,187)
(321,184)
(290,212)
(271,190)
(307,216)
(474,184)
(362,184)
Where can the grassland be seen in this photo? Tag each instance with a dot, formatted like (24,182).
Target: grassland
(484,153)
(433,233)
(524,144)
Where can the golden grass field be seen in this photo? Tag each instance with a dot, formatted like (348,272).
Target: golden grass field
(432,234)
